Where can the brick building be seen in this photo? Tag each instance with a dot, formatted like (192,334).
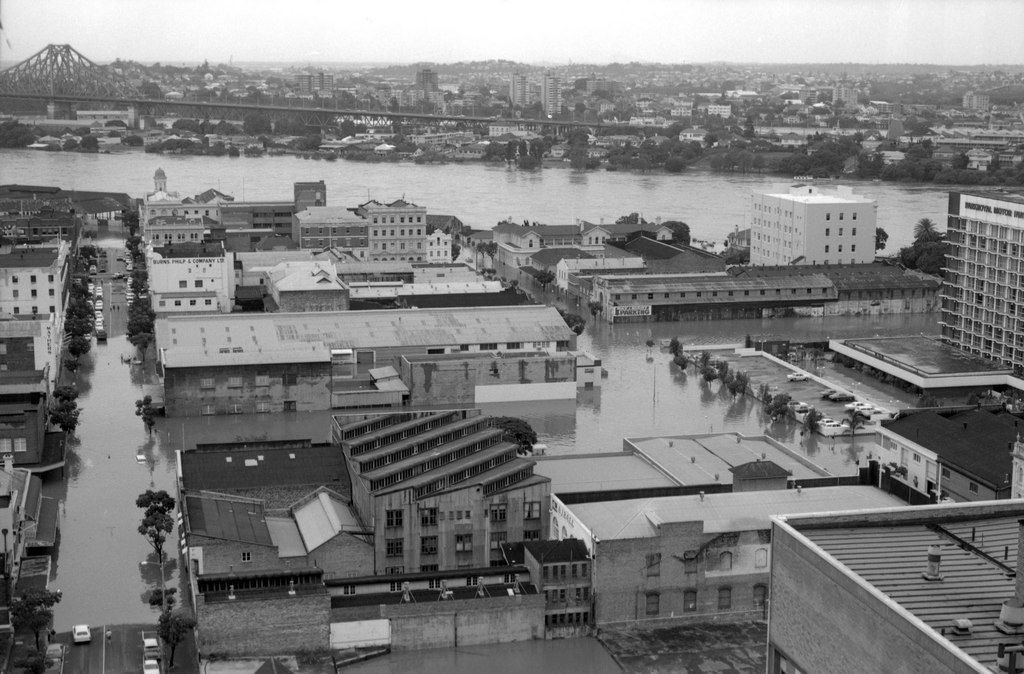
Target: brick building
(561,570)
(694,558)
(441,490)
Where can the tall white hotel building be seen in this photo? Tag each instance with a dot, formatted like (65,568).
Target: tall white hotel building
(983,292)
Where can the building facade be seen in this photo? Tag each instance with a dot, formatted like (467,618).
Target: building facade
(320,227)
(551,94)
(519,90)
(191,279)
(804,225)
(34,282)
(984,282)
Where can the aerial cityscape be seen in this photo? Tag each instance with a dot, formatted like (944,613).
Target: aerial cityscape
(426,340)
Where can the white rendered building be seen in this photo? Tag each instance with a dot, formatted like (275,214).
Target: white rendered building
(191,279)
(984,285)
(803,225)
(439,247)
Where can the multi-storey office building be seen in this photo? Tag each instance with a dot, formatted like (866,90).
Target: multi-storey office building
(802,224)
(519,90)
(551,94)
(33,281)
(983,291)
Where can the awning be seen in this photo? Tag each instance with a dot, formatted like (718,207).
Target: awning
(46,528)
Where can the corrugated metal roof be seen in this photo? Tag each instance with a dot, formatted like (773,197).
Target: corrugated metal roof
(262,336)
(892,558)
(322,518)
(284,533)
(720,282)
(594,472)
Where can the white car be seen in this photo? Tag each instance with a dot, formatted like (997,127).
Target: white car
(860,407)
(81,634)
(99,305)
(796,376)
(150,667)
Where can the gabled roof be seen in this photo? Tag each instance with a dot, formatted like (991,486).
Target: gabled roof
(551,256)
(759,470)
(321,517)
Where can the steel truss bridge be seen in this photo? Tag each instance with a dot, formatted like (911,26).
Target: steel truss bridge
(61,76)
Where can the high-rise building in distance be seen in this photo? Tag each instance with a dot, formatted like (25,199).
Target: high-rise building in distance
(519,90)
(551,94)
(426,81)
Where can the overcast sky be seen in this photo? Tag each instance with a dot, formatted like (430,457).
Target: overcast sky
(948,32)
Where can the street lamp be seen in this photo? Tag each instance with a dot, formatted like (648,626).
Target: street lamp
(7,584)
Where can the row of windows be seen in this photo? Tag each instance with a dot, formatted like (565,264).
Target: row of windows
(401,219)
(33,293)
(191,303)
(401,246)
(852,233)
(653,603)
(563,594)
(689,559)
(32,279)
(7,445)
(35,310)
(853,248)
(556,571)
(567,618)
(401,232)
(287,379)
(184,284)
(714,293)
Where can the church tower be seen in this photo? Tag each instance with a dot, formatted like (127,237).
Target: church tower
(160,180)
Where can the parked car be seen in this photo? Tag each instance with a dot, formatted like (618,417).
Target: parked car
(841,397)
(797,376)
(860,407)
(150,667)
(826,395)
(81,634)
(101,335)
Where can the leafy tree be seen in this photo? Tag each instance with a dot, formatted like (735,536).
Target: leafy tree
(157,521)
(812,420)
(64,414)
(575,322)
(34,662)
(928,400)
(855,419)
(89,144)
(163,597)
(257,123)
(78,346)
(173,628)
(516,430)
(33,610)
(675,346)
(709,373)
(680,231)
(738,383)
(881,236)
(144,409)
(544,278)
(15,134)
(70,364)
(65,393)
(778,407)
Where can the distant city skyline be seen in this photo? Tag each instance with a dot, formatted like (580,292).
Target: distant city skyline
(940,32)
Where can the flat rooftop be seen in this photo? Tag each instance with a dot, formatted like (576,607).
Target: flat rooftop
(697,460)
(722,513)
(925,354)
(979,555)
(601,472)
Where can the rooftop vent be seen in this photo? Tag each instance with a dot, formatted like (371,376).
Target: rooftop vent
(962,626)
(1011,613)
(934,571)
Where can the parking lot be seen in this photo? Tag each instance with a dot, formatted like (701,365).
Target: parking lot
(113,650)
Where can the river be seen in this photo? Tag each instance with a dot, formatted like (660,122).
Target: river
(479,194)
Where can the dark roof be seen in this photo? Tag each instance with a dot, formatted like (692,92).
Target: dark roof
(554,552)
(458,592)
(759,470)
(241,520)
(976,441)
(652,248)
(514,553)
(191,249)
(247,468)
(28,257)
(276,242)
(870,276)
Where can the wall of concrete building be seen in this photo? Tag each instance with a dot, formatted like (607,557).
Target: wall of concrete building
(469,622)
(820,616)
(186,395)
(454,380)
(268,625)
(622,581)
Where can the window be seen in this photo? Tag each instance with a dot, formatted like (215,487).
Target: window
(653,603)
(724,598)
(761,558)
(853,231)
(199,284)
(348,589)
(532,510)
(840,230)
(854,217)
(498,512)
(428,517)
(531,535)
(514,345)
(206,382)
(827,230)
(463,542)
(20,445)
(262,380)
(828,216)
(654,564)
(246,556)
(182,284)
(393,518)
(760,595)
(497,538)
(945,473)
(841,217)
(973,487)
(725,561)
(235,382)
(690,601)
(428,545)
(393,547)
(489,346)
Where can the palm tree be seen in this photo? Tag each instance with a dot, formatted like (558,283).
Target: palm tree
(855,419)
(926,230)
(811,420)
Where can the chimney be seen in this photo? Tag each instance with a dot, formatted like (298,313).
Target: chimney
(1011,614)
(9,463)
(701,496)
